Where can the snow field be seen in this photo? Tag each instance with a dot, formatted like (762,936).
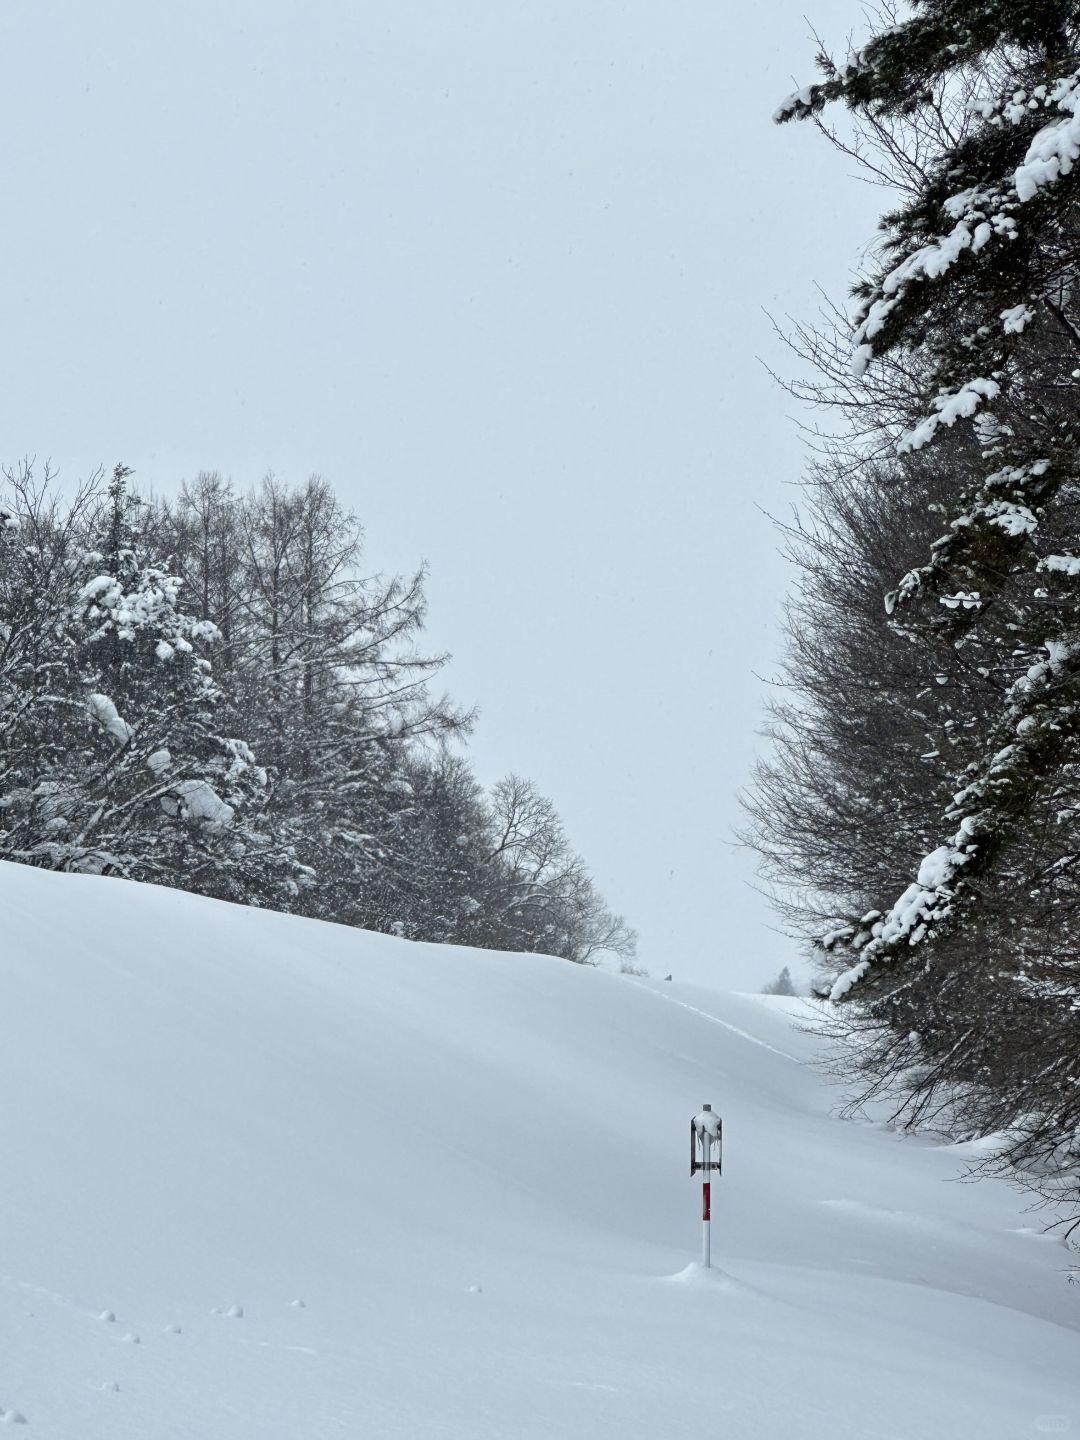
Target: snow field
(269,1178)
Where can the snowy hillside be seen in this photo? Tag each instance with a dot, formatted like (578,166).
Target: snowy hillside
(470,1169)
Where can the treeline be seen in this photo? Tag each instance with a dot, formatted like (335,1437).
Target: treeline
(920,812)
(212,693)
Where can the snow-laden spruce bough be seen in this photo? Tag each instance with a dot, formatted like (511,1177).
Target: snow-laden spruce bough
(962,963)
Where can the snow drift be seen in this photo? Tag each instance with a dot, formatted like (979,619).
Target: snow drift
(267,1177)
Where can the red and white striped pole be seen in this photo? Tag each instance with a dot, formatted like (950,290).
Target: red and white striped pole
(706,1130)
(706,1219)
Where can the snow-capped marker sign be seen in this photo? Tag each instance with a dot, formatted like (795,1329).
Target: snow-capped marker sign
(706,1154)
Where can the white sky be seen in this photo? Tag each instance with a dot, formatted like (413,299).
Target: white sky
(497,270)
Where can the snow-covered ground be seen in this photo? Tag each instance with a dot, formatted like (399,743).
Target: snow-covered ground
(267,1178)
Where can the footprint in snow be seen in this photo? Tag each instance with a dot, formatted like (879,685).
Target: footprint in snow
(12,1417)
(234,1312)
(109,1387)
(298,1304)
(131,1339)
(476,1289)
(108,1316)
(171,1330)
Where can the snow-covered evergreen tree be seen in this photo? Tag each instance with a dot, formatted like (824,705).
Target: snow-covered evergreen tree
(782,985)
(131,771)
(970,323)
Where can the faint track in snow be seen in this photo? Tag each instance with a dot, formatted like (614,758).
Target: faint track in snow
(725,1024)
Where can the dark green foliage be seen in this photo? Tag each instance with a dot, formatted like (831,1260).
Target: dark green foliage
(895,70)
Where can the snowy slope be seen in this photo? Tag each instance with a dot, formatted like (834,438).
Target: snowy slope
(471,1169)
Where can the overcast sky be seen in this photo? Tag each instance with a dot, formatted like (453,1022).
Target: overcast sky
(497,270)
